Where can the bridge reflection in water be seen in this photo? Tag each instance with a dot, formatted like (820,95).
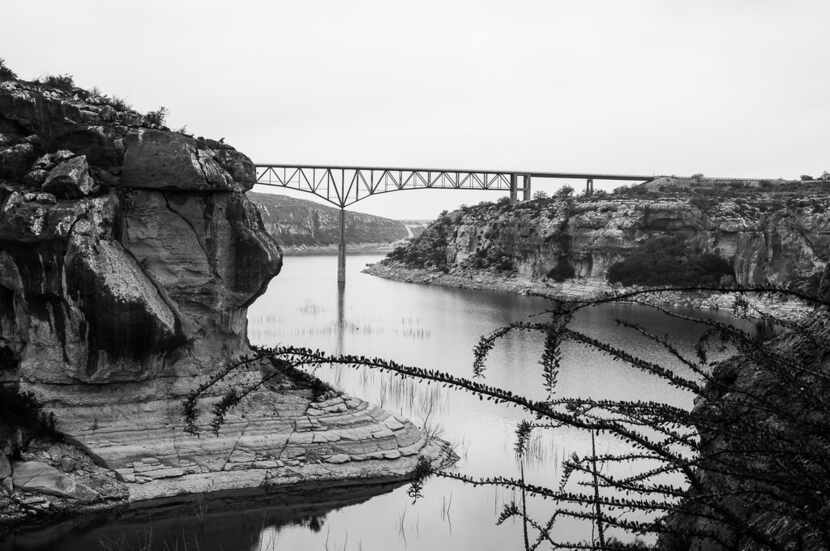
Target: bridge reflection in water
(346,185)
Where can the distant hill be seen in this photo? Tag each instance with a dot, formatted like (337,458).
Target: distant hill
(301,224)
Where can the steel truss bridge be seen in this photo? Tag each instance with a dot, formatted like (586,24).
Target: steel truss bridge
(346,185)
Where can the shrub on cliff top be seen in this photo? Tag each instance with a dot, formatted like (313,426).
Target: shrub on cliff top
(669,260)
(5,72)
(62,82)
(156,117)
(565,191)
(119,103)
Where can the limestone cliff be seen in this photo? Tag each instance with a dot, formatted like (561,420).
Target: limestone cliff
(768,238)
(121,245)
(128,257)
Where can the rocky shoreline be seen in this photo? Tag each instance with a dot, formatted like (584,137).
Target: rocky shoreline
(579,288)
(331,250)
(139,453)
(129,254)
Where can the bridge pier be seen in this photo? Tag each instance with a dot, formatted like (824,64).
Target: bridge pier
(514,187)
(589,186)
(341,249)
(526,187)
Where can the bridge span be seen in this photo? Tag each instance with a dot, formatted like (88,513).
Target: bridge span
(346,185)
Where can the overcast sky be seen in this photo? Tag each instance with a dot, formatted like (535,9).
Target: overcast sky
(723,87)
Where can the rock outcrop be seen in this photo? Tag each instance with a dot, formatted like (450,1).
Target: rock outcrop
(767,237)
(128,257)
(751,413)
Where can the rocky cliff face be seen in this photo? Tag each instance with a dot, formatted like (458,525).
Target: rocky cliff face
(128,257)
(296,223)
(769,238)
(125,250)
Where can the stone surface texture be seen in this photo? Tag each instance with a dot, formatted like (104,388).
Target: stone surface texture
(769,237)
(128,257)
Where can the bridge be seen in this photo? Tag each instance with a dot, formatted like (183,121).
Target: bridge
(346,185)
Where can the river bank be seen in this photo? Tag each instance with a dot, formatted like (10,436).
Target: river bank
(351,248)
(577,288)
(283,437)
(129,255)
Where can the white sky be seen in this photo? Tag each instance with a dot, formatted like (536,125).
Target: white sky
(722,87)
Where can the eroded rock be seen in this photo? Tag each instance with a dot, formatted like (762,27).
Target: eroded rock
(156,159)
(70,179)
(114,307)
(38,477)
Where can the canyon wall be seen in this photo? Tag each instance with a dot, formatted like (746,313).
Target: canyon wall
(768,238)
(126,251)
(128,257)
(297,223)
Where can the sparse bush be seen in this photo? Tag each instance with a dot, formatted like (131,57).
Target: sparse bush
(119,103)
(156,117)
(62,82)
(540,195)
(565,191)
(5,72)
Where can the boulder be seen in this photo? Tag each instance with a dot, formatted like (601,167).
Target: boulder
(38,477)
(48,161)
(70,179)
(157,159)
(43,198)
(15,160)
(35,177)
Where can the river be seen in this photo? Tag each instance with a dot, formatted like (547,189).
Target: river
(435,328)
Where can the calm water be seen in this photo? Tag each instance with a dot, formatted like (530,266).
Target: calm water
(430,327)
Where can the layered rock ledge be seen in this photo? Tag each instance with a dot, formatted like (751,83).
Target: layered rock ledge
(567,246)
(128,257)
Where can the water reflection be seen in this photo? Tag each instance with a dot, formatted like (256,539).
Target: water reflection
(341,298)
(437,328)
(220,522)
